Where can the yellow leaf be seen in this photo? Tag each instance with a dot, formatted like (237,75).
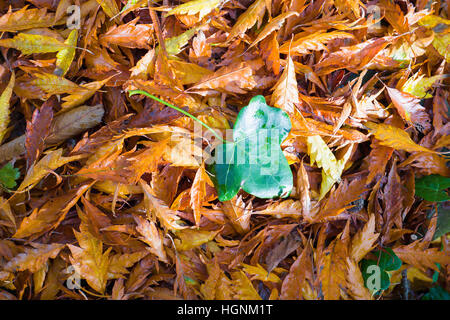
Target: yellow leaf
(410,109)
(243,287)
(175,44)
(259,273)
(65,57)
(349,5)
(418,85)
(285,93)
(431,21)
(286,208)
(217,286)
(146,160)
(182,151)
(52,84)
(4,106)
(441,43)
(202,7)
(109,7)
(248,19)
(25,18)
(327,180)
(89,260)
(320,153)
(50,162)
(6,212)
(145,66)
(188,73)
(34,259)
(33,43)
(111,187)
(191,238)
(78,97)
(394,137)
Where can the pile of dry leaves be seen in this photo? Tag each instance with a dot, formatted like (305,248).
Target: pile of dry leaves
(109,196)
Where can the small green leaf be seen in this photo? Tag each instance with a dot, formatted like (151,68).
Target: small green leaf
(9,175)
(436,293)
(374,279)
(436,273)
(432,188)
(190,281)
(254,161)
(375,272)
(387,259)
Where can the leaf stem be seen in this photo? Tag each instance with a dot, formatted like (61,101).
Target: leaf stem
(145,93)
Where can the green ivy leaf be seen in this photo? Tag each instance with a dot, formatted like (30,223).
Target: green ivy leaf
(369,276)
(432,188)
(9,175)
(254,160)
(387,259)
(436,293)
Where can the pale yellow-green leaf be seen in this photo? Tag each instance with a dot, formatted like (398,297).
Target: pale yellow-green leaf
(418,85)
(431,21)
(4,106)
(65,57)
(176,44)
(327,180)
(441,43)
(33,43)
(320,153)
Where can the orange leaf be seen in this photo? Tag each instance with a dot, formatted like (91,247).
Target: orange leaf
(416,254)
